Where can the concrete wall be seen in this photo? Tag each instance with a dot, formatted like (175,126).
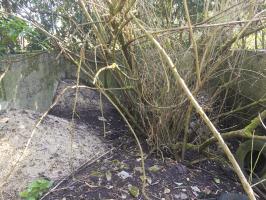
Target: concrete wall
(252,81)
(31,80)
(250,74)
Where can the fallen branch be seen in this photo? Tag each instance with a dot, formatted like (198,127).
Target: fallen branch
(201,26)
(241,108)
(230,135)
(247,132)
(255,123)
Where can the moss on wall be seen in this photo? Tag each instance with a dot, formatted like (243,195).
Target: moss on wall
(31,80)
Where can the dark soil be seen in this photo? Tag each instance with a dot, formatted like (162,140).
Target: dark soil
(111,176)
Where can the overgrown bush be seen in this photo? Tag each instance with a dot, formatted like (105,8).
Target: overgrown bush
(199,40)
(152,102)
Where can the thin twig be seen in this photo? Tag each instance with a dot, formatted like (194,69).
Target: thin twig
(202,26)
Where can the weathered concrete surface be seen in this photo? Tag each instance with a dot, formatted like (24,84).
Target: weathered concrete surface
(252,80)
(52,150)
(248,75)
(31,80)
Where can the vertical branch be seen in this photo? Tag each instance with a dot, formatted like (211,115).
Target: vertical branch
(251,8)
(256,40)
(187,123)
(89,18)
(262,40)
(197,65)
(72,124)
(206,8)
(194,43)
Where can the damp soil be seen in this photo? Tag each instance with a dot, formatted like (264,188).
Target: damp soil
(117,173)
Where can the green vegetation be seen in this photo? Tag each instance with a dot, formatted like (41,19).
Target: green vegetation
(133,190)
(18,36)
(36,189)
(10,30)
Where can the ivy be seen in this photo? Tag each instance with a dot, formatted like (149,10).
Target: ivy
(36,189)
(12,30)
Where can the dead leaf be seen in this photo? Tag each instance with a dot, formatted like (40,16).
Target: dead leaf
(148,179)
(108,176)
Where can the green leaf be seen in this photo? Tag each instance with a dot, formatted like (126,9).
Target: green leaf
(36,189)
(133,190)
(154,168)
(97,174)
(24,194)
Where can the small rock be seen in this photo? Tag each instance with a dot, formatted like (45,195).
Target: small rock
(166,191)
(195,188)
(102,119)
(181,196)
(124,175)
(217,180)
(179,184)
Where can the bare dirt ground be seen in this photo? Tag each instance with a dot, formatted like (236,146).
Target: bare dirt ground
(52,150)
(113,175)
(107,164)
